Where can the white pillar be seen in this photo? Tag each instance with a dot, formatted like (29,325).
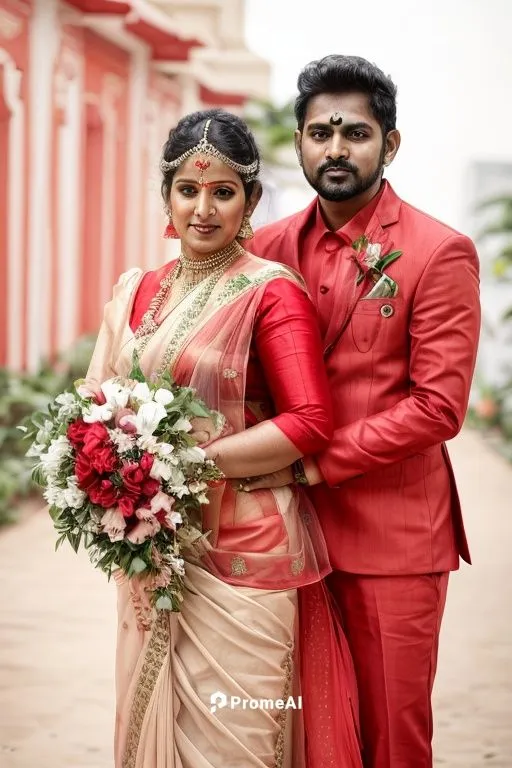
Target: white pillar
(69,202)
(43,42)
(15,181)
(135,181)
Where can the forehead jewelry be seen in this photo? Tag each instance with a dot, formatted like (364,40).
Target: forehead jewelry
(336,118)
(205,147)
(203,165)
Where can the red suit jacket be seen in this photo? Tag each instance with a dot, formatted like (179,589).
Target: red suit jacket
(400,371)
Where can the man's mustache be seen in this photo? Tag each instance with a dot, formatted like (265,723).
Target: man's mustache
(340,165)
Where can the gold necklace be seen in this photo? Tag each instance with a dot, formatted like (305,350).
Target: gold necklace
(212,267)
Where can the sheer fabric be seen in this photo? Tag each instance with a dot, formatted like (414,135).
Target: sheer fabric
(264,543)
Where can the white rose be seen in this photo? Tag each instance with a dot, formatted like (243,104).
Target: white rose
(372,254)
(94,413)
(160,470)
(149,417)
(58,449)
(182,425)
(115,394)
(163,396)
(141,392)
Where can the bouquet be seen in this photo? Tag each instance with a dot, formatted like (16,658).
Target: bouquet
(123,476)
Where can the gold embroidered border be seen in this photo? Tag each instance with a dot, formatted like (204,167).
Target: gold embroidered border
(157,650)
(287,667)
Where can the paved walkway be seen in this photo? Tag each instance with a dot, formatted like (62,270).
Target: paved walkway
(57,634)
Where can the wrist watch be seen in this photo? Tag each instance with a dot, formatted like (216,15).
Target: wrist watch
(299,473)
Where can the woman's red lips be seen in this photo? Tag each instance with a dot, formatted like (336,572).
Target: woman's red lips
(204,229)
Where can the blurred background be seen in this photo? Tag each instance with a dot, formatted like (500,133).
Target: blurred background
(88,92)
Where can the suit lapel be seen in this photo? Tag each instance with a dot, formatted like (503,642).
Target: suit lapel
(349,293)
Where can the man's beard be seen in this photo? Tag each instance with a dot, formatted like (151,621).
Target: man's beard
(351,186)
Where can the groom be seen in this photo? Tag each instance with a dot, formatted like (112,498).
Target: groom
(398,303)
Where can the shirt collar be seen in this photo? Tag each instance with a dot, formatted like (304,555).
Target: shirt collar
(354,228)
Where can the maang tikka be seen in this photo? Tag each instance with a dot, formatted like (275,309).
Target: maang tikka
(205,147)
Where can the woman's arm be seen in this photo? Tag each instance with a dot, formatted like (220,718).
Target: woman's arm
(289,348)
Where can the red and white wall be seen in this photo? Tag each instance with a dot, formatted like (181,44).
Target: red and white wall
(88,92)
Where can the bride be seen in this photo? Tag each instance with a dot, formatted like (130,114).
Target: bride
(205,688)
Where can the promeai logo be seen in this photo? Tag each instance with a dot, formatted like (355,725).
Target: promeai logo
(218,700)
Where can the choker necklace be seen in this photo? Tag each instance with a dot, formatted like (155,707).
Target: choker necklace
(212,267)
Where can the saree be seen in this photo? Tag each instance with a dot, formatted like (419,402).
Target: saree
(256,624)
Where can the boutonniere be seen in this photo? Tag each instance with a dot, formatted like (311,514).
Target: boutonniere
(371,263)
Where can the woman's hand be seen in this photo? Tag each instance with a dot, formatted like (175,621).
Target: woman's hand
(204,430)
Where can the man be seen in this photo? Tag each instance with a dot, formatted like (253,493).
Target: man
(398,303)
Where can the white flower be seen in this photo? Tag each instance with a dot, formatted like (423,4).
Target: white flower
(121,440)
(73,496)
(95,413)
(141,392)
(160,470)
(177,564)
(148,443)
(193,455)
(173,519)
(35,449)
(113,524)
(58,450)
(165,449)
(182,425)
(203,498)
(115,394)
(163,396)
(148,418)
(197,486)
(45,432)
(55,496)
(372,254)
(69,406)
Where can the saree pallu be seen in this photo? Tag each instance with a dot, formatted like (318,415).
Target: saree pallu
(256,621)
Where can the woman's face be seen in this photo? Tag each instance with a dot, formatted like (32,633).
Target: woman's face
(207,203)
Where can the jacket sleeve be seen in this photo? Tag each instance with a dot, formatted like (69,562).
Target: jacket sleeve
(444,331)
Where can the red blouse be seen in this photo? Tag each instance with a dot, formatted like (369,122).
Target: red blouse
(286,379)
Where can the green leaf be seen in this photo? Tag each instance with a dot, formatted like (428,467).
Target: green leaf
(198,409)
(136,371)
(389,259)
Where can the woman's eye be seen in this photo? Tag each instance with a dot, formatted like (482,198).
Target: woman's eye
(224,193)
(187,191)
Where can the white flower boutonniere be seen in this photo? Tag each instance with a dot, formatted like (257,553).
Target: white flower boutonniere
(372,263)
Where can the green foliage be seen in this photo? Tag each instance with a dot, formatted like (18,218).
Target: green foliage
(273,127)
(20,395)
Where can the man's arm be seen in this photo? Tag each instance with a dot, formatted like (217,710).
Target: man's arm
(444,331)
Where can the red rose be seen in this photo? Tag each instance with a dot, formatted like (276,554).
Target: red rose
(87,477)
(126,504)
(146,462)
(104,460)
(150,487)
(104,494)
(135,475)
(76,433)
(96,437)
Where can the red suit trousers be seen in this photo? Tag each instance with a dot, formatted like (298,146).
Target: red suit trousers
(392,625)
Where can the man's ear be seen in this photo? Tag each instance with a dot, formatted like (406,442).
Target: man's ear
(298,142)
(392,145)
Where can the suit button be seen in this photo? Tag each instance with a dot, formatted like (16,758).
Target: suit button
(324,289)
(387,310)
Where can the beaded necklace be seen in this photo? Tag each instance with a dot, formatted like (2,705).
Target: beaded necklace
(213,268)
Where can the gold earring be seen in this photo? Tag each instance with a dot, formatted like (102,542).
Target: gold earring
(245,232)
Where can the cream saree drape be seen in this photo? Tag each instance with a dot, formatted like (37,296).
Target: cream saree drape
(233,639)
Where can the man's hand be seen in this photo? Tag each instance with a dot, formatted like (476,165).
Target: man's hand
(274,480)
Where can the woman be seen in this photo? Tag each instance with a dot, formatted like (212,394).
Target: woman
(255,621)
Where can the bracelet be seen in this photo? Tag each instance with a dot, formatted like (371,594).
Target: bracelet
(299,473)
